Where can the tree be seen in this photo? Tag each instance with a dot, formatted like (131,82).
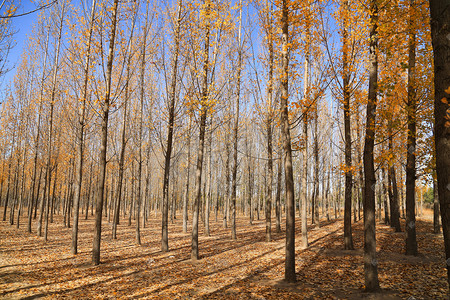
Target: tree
(411,240)
(269,125)
(370,261)
(289,273)
(440,29)
(204,101)
(348,241)
(141,125)
(236,129)
(34,195)
(104,139)
(80,134)
(52,105)
(168,152)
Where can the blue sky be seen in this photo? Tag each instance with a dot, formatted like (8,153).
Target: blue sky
(23,27)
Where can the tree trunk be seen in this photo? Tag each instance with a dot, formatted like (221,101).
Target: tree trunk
(440,30)
(315,202)
(38,130)
(52,104)
(348,239)
(411,239)
(188,169)
(104,140)
(88,196)
(227,185)
(436,222)
(116,219)
(201,142)
(304,193)
(278,197)
(80,137)
(370,261)
(208,194)
(289,275)
(141,112)
(385,204)
(235,132)
(168,152)
(393,190)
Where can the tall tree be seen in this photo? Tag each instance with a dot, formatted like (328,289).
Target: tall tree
(289,273)
(33,202)
(348,240)
(52,105)
(104,138)
(203,114)
(370,261)
(269,123)
(440,30)
(80,134)
(236,129)
(411,240)
(141,125)
(168,152)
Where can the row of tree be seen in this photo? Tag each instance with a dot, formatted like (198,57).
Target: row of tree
(250,88)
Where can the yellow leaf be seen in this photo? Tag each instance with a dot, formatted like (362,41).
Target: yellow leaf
(448,90)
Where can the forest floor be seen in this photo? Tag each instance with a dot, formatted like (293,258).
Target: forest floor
(247,268)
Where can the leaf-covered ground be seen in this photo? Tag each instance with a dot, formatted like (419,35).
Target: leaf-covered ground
(248,268)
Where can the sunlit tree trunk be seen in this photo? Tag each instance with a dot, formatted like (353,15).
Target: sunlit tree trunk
(141,112)
(370,261)
(34,196)
(80,136)
(269,124)
(235,132)
(50,129)
(201,142)
(348,240)
(289,275)
(278,198)
(168,152)
(188,168)
(304,185)
(104,139)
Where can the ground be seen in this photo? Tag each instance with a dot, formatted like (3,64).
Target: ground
(248,268)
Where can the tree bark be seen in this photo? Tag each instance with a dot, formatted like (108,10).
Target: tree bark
(168,152)
(188,169)
(440,31)
(436,221)
(393,189)
(201,142)
(80,137)
(52,104)
(236,131)
(411,239)
(289,275)
(36,145)
(348,239)
(370,261)
(278,197)
(104,140)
